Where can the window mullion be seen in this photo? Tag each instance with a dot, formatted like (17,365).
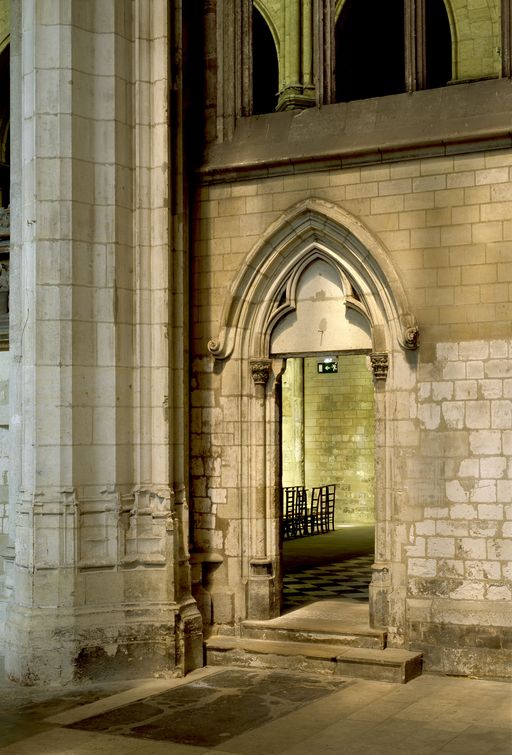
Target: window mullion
(323,50)
(244,46)
(415,67)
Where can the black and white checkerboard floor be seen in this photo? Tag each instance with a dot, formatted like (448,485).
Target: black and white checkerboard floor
(346,579)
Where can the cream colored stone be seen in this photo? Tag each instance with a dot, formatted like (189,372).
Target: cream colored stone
(104,303)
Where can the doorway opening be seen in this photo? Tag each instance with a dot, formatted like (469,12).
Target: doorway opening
(327,478)
(318,284)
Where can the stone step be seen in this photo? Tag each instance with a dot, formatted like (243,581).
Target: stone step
(332,622)
(312,630)
(388,665)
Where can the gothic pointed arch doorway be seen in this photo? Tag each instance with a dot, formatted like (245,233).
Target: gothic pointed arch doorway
(327,439)
(271,305)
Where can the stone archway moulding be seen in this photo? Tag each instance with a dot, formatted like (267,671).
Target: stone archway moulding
(263,291)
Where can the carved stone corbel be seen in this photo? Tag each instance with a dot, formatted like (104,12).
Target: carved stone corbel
(411,337)
(380,364)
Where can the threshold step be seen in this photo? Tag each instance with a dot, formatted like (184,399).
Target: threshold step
(301,629)
(389,665)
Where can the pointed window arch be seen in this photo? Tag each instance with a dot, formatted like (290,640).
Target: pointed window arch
(370,52)
(438,46)
(392,47)
(265,66)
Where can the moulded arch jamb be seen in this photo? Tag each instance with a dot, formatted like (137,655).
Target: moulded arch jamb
(312,228)
(338,9)
(268,19)
(275,36)
(448,4)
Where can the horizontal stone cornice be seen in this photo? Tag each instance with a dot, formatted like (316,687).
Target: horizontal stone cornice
(450,120)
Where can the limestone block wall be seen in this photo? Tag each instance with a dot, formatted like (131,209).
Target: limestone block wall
(459,556)
(476,38)
(446,225)
(339,431)
(292,423)
(445,222)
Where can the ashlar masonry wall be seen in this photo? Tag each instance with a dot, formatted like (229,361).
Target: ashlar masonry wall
(446,226)
(459,561)
(340,434)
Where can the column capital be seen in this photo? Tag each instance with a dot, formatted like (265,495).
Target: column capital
(380,364)
(260,370)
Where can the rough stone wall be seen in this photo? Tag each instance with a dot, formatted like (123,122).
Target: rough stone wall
(340,434)
(459,560)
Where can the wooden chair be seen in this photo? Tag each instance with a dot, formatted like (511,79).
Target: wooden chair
(314,511)
(327,504)
(294,506)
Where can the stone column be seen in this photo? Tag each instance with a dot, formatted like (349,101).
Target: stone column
(415,64)
(261,571)
(228,32)
(324,50)
(380,584)
(15,308)
(297,90)
(96,589)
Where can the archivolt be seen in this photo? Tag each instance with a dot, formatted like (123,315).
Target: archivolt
(263,290)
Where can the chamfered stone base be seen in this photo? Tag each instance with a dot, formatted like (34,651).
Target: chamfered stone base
(59,647)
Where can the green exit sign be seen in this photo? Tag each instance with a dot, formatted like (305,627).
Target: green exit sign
(327,367)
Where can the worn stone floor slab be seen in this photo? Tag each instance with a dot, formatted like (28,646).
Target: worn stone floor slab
(212,710)
(431,714)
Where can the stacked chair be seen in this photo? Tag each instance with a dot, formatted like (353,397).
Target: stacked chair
(308,517)
(294,511)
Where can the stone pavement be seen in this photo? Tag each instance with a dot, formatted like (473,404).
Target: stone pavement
(258,712)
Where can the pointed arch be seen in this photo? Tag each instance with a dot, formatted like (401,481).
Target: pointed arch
(265,61)
(262,291)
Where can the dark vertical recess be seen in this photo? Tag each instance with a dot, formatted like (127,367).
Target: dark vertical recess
(4,128)
(265,66)
(438,41)
(370,50)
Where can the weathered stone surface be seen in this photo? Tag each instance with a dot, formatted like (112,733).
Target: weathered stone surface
(163,241)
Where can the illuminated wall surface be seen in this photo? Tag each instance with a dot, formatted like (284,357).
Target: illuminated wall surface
(336,440)
(173,240)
